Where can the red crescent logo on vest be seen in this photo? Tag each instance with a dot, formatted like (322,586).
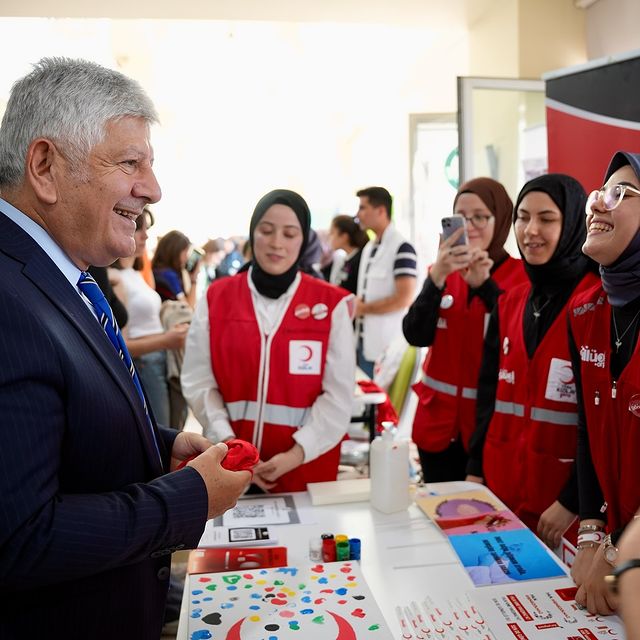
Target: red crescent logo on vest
(302,311)
(308,353)
(320,311)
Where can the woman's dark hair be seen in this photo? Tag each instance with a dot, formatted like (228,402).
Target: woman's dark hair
(347,224)
(167,254)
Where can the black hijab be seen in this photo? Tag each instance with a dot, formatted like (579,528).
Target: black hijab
(269,285)
(567,263)
(553,283)
(621,280)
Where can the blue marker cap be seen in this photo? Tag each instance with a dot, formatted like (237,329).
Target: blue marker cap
(354,548)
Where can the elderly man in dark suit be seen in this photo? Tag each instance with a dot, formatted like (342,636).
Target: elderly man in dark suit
(91,499)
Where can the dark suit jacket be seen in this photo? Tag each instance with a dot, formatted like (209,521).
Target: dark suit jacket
(88,516)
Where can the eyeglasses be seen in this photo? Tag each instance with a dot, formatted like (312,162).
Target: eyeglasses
(611,196)
(478,220)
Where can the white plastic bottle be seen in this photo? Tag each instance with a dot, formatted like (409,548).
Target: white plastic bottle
(389,471)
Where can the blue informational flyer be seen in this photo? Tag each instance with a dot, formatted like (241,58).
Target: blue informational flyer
(507,556)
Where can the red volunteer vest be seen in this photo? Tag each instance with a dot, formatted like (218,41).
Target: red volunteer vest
(532,437)
(614,432)
(269,383)
(448,388)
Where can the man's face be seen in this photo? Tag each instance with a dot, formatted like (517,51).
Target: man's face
(94,217)
(368,215)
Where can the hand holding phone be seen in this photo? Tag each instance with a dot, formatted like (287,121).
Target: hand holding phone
(450,257)
(450,224)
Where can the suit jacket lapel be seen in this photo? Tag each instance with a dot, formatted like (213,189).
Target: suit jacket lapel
(41,270)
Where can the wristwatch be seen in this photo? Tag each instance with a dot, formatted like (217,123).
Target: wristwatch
(610,550)
(612,580)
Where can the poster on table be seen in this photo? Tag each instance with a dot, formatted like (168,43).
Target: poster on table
(317,602)
(544,610)
(474,511)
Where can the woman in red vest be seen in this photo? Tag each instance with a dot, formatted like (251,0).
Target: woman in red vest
(449,316)
(270,358)
(524,446)
(604,324)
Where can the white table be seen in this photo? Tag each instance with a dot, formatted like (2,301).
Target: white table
(404,556)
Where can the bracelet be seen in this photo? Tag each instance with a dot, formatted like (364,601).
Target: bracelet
(584,528)
(612,580)
(593,536)
(587,545)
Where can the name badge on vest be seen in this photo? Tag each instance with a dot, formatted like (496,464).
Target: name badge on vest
(561,385)
(305,357)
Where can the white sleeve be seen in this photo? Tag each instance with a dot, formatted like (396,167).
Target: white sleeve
(330,413)
(199,386)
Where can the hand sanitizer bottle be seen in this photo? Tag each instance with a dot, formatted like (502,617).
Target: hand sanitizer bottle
(389,471)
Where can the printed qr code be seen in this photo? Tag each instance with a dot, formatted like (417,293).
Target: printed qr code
(249,511)
(237,535)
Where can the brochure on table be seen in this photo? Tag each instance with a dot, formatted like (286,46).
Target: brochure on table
(494,546)
(541,610)
(317,602)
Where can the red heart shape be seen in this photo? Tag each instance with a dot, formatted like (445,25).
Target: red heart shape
(346,569)
(282,595)
(278,601)
(318,568)
(341,601)
(204,579)
(269,589)
(358,613)
(318,601)
(247,576)
(326,591)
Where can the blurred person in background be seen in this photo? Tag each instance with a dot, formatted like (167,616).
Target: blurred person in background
(347,240)
(169,263)
(144,335)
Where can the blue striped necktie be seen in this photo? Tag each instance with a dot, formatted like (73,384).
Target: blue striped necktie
(94,294)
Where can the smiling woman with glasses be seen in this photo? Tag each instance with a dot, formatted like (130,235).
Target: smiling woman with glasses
(604,324)
(449,315)
(611,195)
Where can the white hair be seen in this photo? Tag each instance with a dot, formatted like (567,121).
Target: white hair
(69,102)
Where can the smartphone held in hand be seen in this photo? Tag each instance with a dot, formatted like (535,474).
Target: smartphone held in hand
(452,223)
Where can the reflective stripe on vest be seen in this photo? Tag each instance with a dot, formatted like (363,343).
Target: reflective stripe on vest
(272,413)
(567,418)
(437,385)
(450,389)
(509,408)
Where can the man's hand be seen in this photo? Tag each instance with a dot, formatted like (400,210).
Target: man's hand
(594,592)
(187,445)
(280,464)
(223,487)
(554,521)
